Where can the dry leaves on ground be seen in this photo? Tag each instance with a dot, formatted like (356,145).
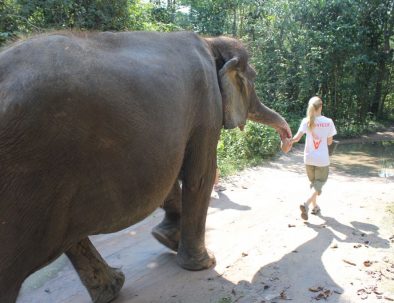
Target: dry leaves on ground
(323,293)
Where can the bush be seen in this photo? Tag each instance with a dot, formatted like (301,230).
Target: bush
(239,149)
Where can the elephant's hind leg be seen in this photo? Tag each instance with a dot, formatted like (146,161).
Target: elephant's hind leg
(102,281)
(168,231)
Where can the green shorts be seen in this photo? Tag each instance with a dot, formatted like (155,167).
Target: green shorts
(317,176)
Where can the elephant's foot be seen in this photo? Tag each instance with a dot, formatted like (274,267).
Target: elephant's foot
(107,286)
(168,234)
(199,261)
(102,281)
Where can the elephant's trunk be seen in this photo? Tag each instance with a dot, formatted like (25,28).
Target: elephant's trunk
(262,114)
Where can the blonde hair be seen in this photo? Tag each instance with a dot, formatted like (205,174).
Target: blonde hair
(313,105)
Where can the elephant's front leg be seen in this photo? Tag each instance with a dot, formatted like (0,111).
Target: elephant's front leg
(168,231)
(198,177)
(102,281)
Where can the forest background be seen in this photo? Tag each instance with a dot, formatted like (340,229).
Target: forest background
(341,50)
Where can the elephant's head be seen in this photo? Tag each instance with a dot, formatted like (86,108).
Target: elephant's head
(236,76)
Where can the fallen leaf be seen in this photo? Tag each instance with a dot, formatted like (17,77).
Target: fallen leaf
(362,293)
(367,263)
(316,289)
(283,295)
(244,254)
(378,292)
(388,298)
(291,225)
(348,262)
(357,246)
(324,294)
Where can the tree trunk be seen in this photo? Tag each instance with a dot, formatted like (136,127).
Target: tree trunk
(235,22)
(378,101)
(387,54)
(171,8)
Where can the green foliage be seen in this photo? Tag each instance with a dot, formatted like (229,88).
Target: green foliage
(351,128)
(238,149)
(31,16)
(332,48)
(9,23)
(208,17)
(92,15)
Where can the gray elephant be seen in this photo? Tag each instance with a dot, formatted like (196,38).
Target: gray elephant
(96,129)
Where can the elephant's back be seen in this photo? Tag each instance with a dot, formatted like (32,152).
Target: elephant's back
(148,72)
(76,85)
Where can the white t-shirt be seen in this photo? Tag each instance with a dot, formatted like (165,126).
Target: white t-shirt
(316,148)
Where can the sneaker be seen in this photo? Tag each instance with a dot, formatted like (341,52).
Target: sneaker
(315,210)
(304,211)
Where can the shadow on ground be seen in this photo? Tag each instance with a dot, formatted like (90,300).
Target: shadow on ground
(285,278)
(153,275)
(221,201)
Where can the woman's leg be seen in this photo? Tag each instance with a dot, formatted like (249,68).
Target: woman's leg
(311,173)
(321,176)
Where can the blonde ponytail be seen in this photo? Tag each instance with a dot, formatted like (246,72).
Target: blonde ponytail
(313,105)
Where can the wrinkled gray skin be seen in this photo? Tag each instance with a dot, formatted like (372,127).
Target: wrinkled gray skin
(94,132)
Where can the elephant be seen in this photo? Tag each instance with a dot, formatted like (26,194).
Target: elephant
(97,129)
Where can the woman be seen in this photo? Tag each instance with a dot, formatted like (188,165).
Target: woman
(319,132)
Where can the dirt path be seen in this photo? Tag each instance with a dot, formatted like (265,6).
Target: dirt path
(265,252)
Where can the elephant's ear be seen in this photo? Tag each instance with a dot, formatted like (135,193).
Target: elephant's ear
(235,109)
